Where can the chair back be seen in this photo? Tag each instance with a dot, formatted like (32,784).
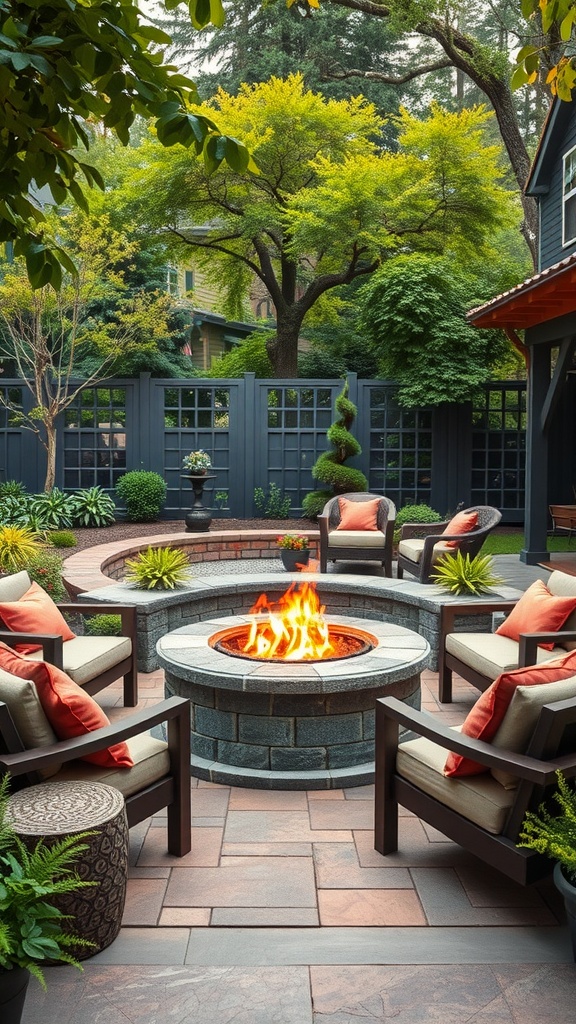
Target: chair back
(386,509)
(13,587)
(488,519)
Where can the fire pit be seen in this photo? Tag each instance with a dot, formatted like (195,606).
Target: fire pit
(282,716)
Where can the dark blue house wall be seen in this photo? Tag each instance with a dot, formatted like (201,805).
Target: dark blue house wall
(551,248)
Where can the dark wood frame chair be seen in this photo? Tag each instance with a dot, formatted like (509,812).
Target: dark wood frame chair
(449,663)
(52,645)
(536,769)
(173,791)
(329,519)
(468,543)
(563,519)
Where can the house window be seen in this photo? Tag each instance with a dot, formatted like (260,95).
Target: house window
(569,198)
(189,280)
(172,280)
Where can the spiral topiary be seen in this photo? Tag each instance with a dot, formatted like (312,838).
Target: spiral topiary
(329,468)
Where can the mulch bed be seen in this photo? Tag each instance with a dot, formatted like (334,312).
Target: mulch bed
(88,538)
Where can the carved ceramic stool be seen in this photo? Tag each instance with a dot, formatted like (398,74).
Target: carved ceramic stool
(53,810)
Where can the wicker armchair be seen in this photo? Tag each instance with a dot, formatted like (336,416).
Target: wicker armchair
(422,544)
(357,545)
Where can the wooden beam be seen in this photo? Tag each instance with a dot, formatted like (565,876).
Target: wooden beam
(563,363)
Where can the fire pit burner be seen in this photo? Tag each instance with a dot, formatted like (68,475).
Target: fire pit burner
(345,642)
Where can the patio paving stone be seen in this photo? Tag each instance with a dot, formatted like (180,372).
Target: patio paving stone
(205,850)
(350,814)
(267,849)
(362,908)
(337,867)
(281,827)
(264,917)
(445,903)
(185,917)
(267,800)
(144,898)
(244,882)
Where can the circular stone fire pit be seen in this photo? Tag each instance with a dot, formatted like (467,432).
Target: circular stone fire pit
(287,725)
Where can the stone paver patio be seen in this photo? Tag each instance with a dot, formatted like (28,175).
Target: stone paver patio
(283,913)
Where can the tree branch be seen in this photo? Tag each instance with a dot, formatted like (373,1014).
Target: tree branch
(380,76)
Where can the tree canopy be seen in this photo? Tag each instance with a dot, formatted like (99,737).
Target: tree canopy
(327,205)
(68,65)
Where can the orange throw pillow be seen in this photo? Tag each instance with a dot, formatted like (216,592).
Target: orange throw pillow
(358,515)
(485,718)
(20,666)
(73,712)
(462,522)
(537,611)
(35,612)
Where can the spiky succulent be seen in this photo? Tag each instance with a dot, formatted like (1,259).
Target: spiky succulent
(18,545)
(461,574)
(159,569)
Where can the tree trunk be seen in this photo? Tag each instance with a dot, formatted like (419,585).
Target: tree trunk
(50,456)
(282,347)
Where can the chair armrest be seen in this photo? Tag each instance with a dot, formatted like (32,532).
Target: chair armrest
(51,644)
(323,526)
(69,750)
(530,768)
(127,613)
(449,612)
(529,642)
(419,530)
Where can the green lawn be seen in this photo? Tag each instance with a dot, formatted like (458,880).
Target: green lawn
(512,544)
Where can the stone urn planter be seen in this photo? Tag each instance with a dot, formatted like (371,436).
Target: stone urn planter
(292,559)
(199,518)
(568,893)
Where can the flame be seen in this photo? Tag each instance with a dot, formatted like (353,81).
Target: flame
(292,628)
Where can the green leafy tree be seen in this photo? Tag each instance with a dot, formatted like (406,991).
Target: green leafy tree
(63,66)
(326,206)
(44,333)
(329,467)
(249,356)
(413,311)
(552,52)
(476,42)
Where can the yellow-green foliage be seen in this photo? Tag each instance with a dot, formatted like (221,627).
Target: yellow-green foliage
(461,574)
(17,545)
(159,569)
(554,836)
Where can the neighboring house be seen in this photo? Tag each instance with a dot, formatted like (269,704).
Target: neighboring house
(211,334)
(544,306)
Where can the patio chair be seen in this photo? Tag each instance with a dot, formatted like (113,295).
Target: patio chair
(479,657)
(478,812)
(563,519)
(372,543)
(422,544)
(91,661)
(160,777)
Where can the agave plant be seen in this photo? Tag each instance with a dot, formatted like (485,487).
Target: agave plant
(461,574)
(159,569)
(53,510)
(18,545)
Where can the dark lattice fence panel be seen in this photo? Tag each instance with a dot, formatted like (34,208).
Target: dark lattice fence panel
(94,437)
(498,448)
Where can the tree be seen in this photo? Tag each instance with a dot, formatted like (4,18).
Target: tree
(485,64)
(413,312)
(554,52)
(44,332)
(326,206)
(62,67)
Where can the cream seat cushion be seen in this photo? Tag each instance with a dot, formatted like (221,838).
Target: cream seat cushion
(562,585)
(491,654)
(151,763)
(23,703)
(86,657)
(412,548)
(356,539)
(480,798)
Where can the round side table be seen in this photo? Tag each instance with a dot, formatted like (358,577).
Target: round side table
(53,810)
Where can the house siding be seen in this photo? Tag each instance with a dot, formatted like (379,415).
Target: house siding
(551,248)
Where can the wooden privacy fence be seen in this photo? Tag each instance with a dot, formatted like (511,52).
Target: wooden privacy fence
(263,432)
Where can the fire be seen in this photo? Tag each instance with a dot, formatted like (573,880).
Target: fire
(292,628)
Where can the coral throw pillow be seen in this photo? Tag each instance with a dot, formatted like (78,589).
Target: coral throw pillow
(537,611)
(485,718)
(20,666)
(34,612)
(73,712)
(462,522)
(69,709)
(358,515)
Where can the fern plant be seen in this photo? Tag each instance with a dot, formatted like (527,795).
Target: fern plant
(552,835)
(461,574)
(159,569)
(30,926)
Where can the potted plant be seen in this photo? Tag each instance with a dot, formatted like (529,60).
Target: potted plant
(31,929)
(555,836)
(197,463)
(294,550)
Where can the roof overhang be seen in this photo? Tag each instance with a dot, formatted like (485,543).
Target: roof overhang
(546,296)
